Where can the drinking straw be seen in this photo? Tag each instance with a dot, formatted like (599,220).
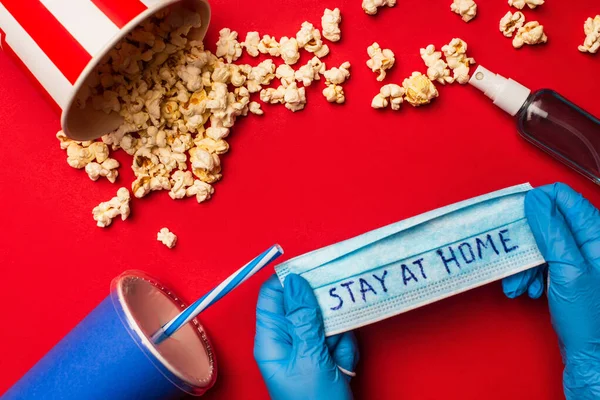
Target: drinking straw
(210,298)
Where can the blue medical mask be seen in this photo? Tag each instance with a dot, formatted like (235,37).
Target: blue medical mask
(420,260)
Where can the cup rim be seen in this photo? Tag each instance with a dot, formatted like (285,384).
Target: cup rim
(145,344)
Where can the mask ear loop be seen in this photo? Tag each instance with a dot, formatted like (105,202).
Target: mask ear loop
(346,372)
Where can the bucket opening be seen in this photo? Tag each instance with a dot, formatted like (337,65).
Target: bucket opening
(83,122)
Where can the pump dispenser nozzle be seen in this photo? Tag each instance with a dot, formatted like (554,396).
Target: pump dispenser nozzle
(507,94)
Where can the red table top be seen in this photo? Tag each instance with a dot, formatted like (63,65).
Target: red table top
(306,180)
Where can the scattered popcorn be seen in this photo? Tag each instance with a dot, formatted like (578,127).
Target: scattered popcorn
(419,89)
(273,96)
(146,184)
(107,169)
(520,4)
(456,57)
(592,31)
(167,102)
(437,69)
(511,23)
(251,44)
(285,74)
(212,146)
(100,151)
(254,108)
(380,60)
(379,101)
(238,74)
(202,190)
(228,45)
(167,238)
(179,102)
(261,75)
(79,156)
(389,94)
(330,23)
(66,141)
(294,97)
(467,9)
(289,50)
(305,34)
(334,93)
(396,94)
(269,45)
(205,165)
(531,33)
(337,76)
(180,181)
(370,6)
(309,38)
(310,72)
(105,212)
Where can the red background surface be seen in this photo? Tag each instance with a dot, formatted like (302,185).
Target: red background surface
(306,180)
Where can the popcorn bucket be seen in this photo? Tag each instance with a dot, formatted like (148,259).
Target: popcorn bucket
(61,42)
(109,355)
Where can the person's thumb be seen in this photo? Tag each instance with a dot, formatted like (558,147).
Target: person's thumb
(554,238)
(306,323)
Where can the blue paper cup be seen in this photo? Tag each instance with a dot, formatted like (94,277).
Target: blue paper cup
(109,354)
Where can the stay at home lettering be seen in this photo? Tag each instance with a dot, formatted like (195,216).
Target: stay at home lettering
(451,259)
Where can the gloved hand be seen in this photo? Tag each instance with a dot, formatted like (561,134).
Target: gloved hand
(293,355)
(566,228)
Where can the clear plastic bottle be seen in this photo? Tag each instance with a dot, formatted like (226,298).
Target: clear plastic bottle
(548,120)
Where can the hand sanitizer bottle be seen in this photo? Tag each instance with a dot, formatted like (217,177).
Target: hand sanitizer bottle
(548,120)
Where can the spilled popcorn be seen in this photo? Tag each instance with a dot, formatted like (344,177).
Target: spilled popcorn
(419,89)
(591,29)
(289,51)
(334,94)
(80,154)
(309,38)
(330,23)
(456,57)
(179,101)
(309,72)
(531,33)
(269,45)
(437,69)
(251,44)
(511,23)
(167,237)
(228,46)
(380,60)
(294,97)
(467,9)
(371,6)
(286,75)
(520,4)
(105,212)
(107,169)
(334,78)
(390,94)
(337,76)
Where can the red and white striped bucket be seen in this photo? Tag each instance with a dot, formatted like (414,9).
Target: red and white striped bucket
(60,42)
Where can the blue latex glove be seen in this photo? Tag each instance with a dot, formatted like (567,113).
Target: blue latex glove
(293,355)
(567,231)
